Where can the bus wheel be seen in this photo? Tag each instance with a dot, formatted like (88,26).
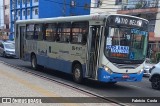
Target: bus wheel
(77,73)
(34,62)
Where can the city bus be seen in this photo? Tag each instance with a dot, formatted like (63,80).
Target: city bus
(104,47)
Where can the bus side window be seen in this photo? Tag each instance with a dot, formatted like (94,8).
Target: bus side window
(38,32)
(50,32)
(57,38)
(84,37)
(64,32)
(79,32)
(30,32)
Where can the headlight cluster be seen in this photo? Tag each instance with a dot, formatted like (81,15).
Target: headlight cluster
(140,71)
(107,69)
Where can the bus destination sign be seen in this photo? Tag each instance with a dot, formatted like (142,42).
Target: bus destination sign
(128,21)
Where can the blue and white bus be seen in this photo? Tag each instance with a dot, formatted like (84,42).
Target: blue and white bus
(107,48)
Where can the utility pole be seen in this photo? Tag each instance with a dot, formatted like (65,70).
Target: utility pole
(64,8)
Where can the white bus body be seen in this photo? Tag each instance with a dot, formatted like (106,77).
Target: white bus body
(98,55)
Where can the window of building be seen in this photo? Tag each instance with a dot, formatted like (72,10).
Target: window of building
(24,13)
(36,11)
(24,1)
(50,33)
(118,2)
(18,13)
(7,26)
(35,1)
(64,31)
(28,12)
(151,28)
(18,2)
(73,3)
(38,32)
(79,32)
(28,1)
(6,7)
(30,32)
(98,3)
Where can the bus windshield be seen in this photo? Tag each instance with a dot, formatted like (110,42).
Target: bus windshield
(126,44)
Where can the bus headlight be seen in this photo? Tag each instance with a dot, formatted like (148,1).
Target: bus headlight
(140,71)
(107,69)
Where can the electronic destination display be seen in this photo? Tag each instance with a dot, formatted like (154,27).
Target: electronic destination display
(126,20)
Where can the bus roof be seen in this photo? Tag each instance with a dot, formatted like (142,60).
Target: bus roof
(72,18)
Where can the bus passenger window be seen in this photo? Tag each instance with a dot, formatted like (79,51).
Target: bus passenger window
(30,32)
(79,32)
(64,31)
(79,37)
(38,32)
(57,38)
(50,32)
(84,36)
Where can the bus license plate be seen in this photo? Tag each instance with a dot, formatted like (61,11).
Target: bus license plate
(125,76)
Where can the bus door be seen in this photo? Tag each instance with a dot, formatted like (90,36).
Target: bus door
(22,35)
(93,48)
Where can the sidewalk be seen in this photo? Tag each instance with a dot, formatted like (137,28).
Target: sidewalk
(14,83)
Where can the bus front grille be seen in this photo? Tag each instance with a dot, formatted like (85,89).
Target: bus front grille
(128,66)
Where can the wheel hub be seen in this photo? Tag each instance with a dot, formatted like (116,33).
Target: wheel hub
(77,73)
(33,63)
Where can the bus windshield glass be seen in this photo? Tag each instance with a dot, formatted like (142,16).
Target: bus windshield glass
(126,44)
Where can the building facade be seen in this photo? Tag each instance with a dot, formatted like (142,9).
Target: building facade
(1,15)
(4,19)
(148,9)
(32,9)
(105,6)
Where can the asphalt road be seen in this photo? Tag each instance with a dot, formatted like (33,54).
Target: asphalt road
(121,89)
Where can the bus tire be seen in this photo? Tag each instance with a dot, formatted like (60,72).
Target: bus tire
(77,73)
(34,62)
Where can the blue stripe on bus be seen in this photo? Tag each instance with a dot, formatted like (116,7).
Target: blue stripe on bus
(57,64)
(104,76)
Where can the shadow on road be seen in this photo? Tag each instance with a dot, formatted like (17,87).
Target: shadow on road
(87,82)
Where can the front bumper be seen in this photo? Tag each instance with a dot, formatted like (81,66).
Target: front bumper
(146,72)
(104,76)
(10,54)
